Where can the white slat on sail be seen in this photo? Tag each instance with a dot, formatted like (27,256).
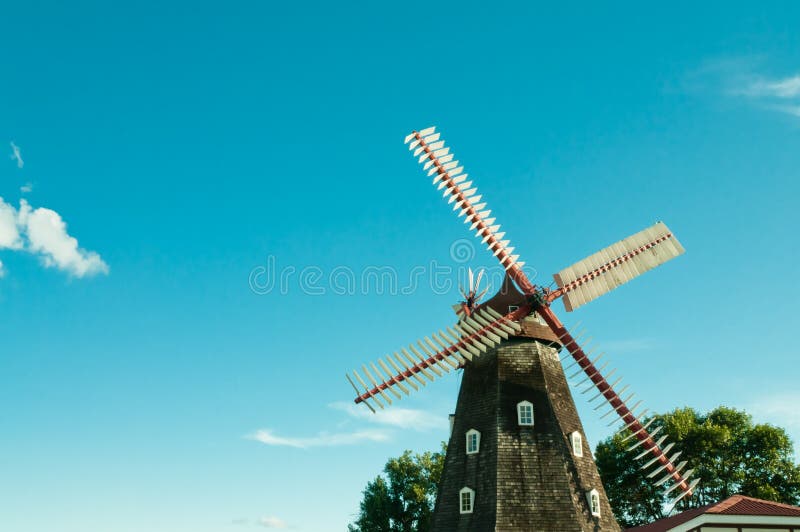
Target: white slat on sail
(641,252)
(437,161)
(433,356)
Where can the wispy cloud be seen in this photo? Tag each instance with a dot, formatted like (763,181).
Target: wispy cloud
(272,522)
(784,88)
(2,270)
(782,407)
(43,232)
(322,439)
(774,94)
(26,188)
(793,110)
(629,345)
(267,522)
(402,418)
(390,419)
(781,410)
(16,155)
(744,79)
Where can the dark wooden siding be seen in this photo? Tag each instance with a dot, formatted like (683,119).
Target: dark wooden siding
(525,478)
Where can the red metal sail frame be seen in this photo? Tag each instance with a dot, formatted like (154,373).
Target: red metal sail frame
(464,342)
(631,422)
(481,227)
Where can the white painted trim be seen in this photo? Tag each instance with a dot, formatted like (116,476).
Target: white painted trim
(470,432)
(471,500)
(519,416)
(591,494)
(732,519)
(576,450)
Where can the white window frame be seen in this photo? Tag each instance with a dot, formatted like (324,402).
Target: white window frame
(477,434)
(593,497)
(512,308)
(520,406)
(576,439)
(471,493)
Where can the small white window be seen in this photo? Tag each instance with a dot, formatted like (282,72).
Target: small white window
(512,308)
(577,443)
(473,441)
(467,500)
(594,502)
(525,413)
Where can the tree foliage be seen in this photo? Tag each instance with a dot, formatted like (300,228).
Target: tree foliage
(728,452)
(402,498)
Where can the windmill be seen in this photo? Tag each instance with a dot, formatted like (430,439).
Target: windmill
(511,472)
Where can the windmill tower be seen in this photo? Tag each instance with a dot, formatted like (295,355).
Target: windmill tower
(517,458)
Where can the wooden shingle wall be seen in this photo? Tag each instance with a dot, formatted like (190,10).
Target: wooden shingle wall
(524,477)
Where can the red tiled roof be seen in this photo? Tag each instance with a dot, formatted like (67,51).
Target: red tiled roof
(741,505)
(735,505)
(670,522)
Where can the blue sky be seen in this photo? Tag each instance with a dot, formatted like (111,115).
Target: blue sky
(169,152)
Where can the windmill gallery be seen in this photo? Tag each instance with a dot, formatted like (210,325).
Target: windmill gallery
(517,458)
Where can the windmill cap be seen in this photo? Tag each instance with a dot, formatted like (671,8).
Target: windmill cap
(509,297)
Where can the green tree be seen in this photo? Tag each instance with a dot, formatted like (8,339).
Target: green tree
(402,498)
(728,452)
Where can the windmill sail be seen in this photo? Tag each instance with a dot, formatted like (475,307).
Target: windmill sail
(448,175)
(652,449)
(615,265)
(442,351)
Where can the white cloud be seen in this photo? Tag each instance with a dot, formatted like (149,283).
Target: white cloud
(777,94)
(9,230)
(780,407)
(781,410)
(47,235)
(793,110)
(403,418)
(2,270)
(16,155)
(742,77)
(323,439)
(272,522)
(394,418)
(43,232)
(27,187)
(774,88)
